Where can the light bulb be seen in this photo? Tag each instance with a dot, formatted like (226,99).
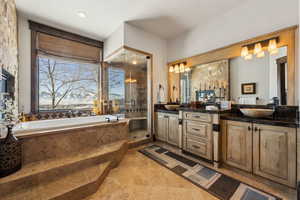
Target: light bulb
(274,51)
(134,62)
(181,68)
(257,48)
(260,54)
(272,45)
(176,69)
(171,69)
(249,57)
(244,52)
(187,69)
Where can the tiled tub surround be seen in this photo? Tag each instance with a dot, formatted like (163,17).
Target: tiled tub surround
(66,164)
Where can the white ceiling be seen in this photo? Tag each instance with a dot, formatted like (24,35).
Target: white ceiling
(166,18)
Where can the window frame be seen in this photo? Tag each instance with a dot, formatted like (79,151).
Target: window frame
(40,28)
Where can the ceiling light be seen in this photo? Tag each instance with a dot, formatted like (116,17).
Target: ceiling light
(81,14)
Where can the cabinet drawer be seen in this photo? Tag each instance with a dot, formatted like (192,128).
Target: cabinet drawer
(199,129)
(197,116)
(199,146)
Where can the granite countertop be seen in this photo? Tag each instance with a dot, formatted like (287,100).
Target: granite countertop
(168,111)
(268,121)
(203,110)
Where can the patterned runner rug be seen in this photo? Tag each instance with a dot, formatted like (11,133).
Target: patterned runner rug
(217,184)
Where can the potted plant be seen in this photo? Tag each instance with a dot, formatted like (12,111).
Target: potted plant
(10,146)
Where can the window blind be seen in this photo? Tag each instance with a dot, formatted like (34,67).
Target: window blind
(56,46)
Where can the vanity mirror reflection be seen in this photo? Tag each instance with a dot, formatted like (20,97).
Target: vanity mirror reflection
(244,81)
(259,69)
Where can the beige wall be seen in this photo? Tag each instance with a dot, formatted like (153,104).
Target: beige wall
(8,40)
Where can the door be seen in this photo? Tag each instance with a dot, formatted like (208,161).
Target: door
(237,144)
(274,153)
(162,126)
(173,132)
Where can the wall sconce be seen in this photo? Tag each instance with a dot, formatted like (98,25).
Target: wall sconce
(176,69)
(258,50)
(245,52)
(187,69)
(273,47)
(171,69)
(248,57)
(179,68)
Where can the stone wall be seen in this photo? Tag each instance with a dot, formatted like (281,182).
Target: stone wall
(8,40)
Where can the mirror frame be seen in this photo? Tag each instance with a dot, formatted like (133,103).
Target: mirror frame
(287,38)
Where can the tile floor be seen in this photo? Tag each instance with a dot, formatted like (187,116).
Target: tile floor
(140,178)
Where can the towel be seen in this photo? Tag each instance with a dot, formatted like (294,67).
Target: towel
(248,100)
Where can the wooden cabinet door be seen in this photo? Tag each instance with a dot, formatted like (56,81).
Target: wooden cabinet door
(173,130)
(274,153)
(162,126)
(237,144)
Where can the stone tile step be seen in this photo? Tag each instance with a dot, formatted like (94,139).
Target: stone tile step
(33,171)
(75,185)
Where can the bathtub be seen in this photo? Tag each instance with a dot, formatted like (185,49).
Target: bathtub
(59,124)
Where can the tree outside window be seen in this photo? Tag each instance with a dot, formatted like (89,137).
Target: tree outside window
(66,84)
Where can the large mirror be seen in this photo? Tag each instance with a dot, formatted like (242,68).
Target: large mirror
(255,81)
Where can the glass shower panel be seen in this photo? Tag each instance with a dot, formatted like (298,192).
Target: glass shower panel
(127,79)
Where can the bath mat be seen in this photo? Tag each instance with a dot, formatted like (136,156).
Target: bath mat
(217,184)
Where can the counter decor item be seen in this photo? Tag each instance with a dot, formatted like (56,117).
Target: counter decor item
(10,146)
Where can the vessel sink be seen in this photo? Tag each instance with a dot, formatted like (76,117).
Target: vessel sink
(172,107)
(254,112)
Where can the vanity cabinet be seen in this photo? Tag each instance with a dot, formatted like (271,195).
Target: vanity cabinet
(162,126)
(173,130)
(264,150)
(274,153)
(237,144)
(197,134)
(167,128)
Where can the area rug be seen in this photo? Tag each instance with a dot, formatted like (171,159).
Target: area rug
(217,184)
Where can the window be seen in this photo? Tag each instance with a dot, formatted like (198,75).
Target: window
(66,84)
(65,69)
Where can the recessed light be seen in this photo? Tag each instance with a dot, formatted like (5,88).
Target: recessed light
(81,14)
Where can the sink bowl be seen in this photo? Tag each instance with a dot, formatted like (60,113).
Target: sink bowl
(172,107)
(253,112)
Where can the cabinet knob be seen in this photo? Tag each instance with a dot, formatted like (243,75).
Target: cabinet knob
(196,147)
(256,129)
(249,128)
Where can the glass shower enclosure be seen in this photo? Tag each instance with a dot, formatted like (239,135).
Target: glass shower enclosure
(126,88)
